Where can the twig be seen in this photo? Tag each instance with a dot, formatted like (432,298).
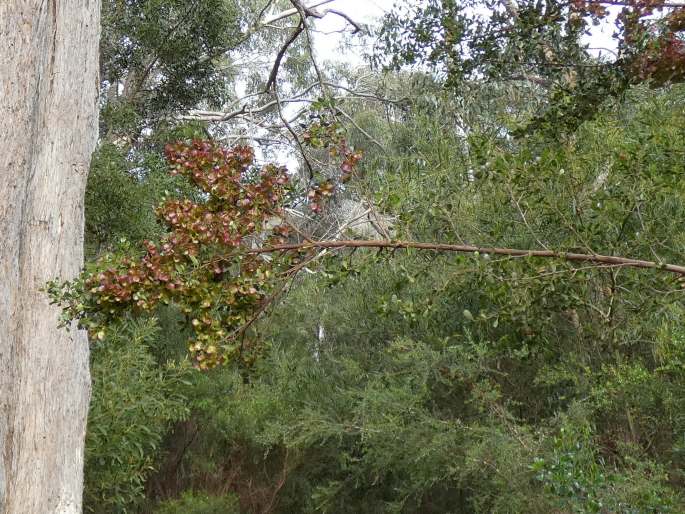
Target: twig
(523,217)
(292,133)
(364,132)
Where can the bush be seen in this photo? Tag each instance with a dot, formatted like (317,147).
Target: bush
(133,403)
(195,503)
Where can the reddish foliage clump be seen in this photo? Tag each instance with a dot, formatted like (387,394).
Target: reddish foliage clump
(205,265)
(201,266)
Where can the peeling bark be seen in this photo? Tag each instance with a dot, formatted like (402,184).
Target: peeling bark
(48,129)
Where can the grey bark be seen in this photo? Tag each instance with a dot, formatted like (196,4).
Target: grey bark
(48,129)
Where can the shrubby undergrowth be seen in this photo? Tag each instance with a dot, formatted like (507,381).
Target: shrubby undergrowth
(419,382)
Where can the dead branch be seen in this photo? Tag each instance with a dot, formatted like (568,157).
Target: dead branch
(445,247)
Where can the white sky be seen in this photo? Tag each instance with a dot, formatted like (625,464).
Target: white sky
(327,46)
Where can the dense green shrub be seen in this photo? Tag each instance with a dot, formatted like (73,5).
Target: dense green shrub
(191,503)
(134,401)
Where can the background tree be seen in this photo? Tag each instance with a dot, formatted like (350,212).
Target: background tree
(419,382)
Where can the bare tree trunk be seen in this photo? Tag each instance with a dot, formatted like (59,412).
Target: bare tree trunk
(48,129)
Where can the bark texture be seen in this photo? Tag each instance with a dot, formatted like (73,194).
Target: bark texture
(48,129)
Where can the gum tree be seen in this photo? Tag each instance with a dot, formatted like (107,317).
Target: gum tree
(48,101)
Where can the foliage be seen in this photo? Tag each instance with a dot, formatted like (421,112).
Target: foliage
(115,203)
(200,504)
(578,477)
(323,131)
(540,43)
(204,265)
(427,356)
(426,383)
(176,45)
(191,266)
(133,403)
(356,424)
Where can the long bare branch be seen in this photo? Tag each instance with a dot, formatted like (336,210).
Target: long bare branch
(219,116)
(444,247)
(346,17)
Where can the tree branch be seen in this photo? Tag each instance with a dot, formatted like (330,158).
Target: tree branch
(289,12)
(444,247)
(271,83)
(219,116)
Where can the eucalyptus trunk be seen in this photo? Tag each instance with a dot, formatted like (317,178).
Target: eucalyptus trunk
(48,130)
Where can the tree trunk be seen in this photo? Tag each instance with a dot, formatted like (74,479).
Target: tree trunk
(48,129)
